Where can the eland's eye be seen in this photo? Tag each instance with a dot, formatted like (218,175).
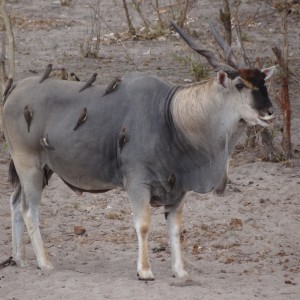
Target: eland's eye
(239,86)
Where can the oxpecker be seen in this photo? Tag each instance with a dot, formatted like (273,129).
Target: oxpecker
(89,82)
(45,143)
(74,76)
(28,115)
(122,138)
(64,74)
(172,180)
(82,118)
(8,87)
(46,73)
(112,86)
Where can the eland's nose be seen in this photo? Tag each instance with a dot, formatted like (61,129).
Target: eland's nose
(270,110)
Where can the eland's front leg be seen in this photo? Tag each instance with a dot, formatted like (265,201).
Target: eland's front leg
(139,199)
(174,220)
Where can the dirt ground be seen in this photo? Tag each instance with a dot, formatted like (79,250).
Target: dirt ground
(244,245)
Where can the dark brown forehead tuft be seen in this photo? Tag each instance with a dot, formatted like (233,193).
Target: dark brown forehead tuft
(255,76)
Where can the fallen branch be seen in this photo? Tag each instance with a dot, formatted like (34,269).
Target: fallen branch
(7,262)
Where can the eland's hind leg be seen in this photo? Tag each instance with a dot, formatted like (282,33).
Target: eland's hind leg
(31,179)
(18,247)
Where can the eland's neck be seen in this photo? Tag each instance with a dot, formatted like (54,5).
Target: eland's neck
(204,118)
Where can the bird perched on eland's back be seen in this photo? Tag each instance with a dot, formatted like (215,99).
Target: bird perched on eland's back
(8,87)
(112,86)
(74,76)
(46,73)
(64,74)
(28,115)
(89,82)
(82,118)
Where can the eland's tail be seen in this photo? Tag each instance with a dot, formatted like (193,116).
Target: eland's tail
(12,174)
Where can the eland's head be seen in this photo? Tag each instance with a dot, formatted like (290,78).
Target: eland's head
(244,87)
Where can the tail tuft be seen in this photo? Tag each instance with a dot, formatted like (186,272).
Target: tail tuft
(12,174)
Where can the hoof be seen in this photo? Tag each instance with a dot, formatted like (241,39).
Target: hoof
(146,279)
(47,266)
(21,263)
(180,274)
(145,275)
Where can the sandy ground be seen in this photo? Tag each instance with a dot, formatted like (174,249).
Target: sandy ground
(244,245)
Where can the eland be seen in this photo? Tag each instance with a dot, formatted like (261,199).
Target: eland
(155,139)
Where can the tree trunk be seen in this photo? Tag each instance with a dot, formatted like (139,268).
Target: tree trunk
(287,112)
(131,29)
(183,13)
(283,102)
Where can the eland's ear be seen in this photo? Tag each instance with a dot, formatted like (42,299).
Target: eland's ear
(269,72)
(222,78)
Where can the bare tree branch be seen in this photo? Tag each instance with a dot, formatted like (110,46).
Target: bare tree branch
(121,43)
(11,44)
(3,76)
(183,13)
(137,4)
(130,26)
(225,17)
(156,8)
(239,35)
(208,54)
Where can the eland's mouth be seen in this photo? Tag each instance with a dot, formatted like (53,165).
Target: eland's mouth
(265,120)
